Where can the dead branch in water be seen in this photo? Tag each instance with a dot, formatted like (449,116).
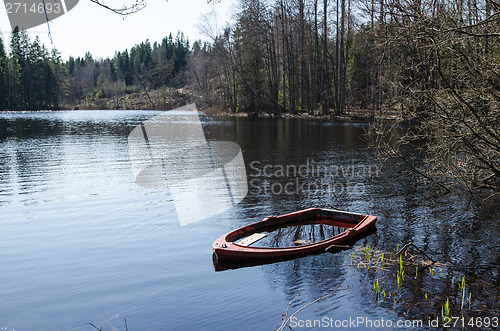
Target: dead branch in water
(285,320)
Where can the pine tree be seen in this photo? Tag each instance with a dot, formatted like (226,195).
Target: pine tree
(15,71)
(181,50)
(3,76)
(60,82)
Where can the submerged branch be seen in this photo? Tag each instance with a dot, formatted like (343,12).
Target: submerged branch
(282,326)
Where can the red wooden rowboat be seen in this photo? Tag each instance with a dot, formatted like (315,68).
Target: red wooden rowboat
(235,245)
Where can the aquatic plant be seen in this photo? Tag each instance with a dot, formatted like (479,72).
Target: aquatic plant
(376,287)
(368,252)
(445,312)
(462,291)
(401,269)
(376,290)
(399,282)
(400,274)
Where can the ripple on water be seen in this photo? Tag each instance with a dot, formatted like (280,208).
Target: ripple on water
(81,242)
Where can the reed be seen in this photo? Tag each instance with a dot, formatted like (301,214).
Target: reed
(401,267)
(376,290)
(376,287)
(400,274)
(368,252)
(461,285)
(445,312)
(399,280)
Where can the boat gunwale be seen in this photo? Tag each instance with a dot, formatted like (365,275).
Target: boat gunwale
(231,250)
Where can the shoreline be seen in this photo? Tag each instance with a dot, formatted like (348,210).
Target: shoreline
(224,113)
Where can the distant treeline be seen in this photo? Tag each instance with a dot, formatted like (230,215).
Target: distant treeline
(144,67)
(32,78)
(314,56)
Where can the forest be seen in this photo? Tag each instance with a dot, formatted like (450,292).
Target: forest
(432,63)
(32,78)
(300,56)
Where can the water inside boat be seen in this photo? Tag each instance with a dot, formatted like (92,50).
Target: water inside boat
(295,235)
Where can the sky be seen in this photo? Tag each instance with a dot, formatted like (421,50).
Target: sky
(89,27)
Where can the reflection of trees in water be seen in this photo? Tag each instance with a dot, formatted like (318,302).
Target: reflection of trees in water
(450,228)
(298,235)
(462,231)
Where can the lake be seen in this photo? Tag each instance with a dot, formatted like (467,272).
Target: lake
(82,243)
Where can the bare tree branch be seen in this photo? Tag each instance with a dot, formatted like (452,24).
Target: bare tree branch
(125,10)
(132,8)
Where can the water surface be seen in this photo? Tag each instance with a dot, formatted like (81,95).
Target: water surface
(82,243)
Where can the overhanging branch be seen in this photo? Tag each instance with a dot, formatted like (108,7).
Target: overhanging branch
(125,10)
(133,8)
